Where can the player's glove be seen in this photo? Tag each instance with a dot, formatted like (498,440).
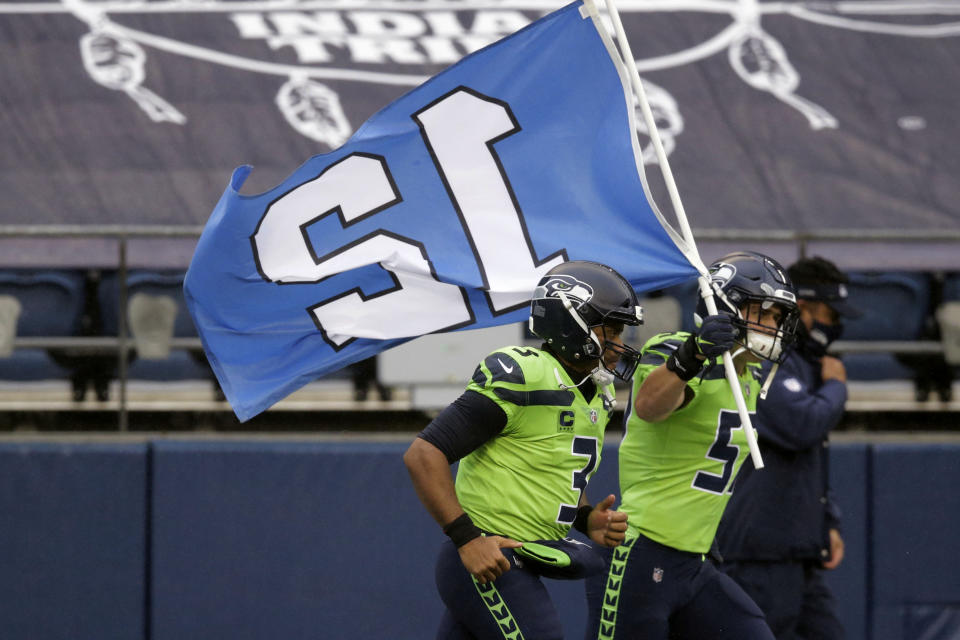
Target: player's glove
(715,336)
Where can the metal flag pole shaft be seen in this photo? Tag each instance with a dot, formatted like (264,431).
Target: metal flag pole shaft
(685,230)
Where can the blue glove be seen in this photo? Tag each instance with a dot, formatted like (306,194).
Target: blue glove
(716,335)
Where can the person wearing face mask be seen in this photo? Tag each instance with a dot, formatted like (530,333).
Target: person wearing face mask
(781,528)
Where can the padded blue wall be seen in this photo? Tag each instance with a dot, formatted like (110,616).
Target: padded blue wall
(850,480)
(266,539)
(916,516)
(72,541)
(289,540)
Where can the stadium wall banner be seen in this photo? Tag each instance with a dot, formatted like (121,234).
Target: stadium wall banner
(440,213)
(834,115)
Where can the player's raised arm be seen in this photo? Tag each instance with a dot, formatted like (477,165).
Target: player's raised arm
(665,390)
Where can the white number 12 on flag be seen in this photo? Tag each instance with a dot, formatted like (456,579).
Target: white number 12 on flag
(459,130)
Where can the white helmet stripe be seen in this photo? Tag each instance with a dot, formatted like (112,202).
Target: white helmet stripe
(576,316)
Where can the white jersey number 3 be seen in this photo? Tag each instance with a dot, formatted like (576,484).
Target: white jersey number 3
(459,130)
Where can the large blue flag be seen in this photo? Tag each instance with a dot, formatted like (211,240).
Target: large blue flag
(440,213)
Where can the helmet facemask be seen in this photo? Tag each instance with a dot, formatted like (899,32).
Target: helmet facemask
(581,319)
(627,357)
(745,281)
(575,298)
(765,342)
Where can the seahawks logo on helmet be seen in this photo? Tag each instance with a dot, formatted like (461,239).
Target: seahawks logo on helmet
(572,288)
(722,273)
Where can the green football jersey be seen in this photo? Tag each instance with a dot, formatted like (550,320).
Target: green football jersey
(676,476)
(526,482)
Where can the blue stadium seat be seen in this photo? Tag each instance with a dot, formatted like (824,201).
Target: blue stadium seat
(180,365)
(895,306)
(947,318)
(155,283)
(51,305)
(951,288)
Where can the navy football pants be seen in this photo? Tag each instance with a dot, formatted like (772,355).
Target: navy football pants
(516,605)
(794,596)
(654,592)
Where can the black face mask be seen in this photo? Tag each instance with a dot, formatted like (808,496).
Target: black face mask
(819,337)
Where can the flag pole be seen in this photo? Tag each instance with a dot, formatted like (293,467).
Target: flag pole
(706,292)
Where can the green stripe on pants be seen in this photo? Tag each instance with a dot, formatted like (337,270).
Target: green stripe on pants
(499,610)
(611,597)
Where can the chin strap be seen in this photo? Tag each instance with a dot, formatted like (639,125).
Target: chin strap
(556,372)
(600,376)
(603,379)
(770,376)
(769,380)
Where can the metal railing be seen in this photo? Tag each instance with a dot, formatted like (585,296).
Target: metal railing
(122,234)
(104,344)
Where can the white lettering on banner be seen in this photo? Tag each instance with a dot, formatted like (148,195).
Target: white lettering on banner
(378,37)
(444,23)
(388,23)
(330,43)
(360,186)
(379,50)
(426,50)
(289,23)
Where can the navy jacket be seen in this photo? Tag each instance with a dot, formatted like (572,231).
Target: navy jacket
(784,511)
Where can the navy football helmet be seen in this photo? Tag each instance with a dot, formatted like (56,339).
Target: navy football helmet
(744,277)
(576,296)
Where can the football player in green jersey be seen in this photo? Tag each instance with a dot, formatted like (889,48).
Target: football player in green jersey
(680,454)
(528,433)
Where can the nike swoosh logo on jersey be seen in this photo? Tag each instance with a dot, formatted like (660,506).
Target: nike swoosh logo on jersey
(505,367)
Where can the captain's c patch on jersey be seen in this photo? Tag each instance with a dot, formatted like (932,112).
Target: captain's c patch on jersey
(566,421)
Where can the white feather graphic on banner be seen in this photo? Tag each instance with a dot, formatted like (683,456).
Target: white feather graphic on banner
(117,63)
(666,113)
(314,110)
(762,63)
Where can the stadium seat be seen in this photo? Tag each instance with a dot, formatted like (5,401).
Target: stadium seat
(10,309)
(948,317)
(156,311)
(951,287)
(895,306)
(38,304)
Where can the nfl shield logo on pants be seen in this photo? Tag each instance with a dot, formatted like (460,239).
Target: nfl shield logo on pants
(658,574)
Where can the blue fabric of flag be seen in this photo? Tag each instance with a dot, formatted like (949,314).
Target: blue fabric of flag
(439,214)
